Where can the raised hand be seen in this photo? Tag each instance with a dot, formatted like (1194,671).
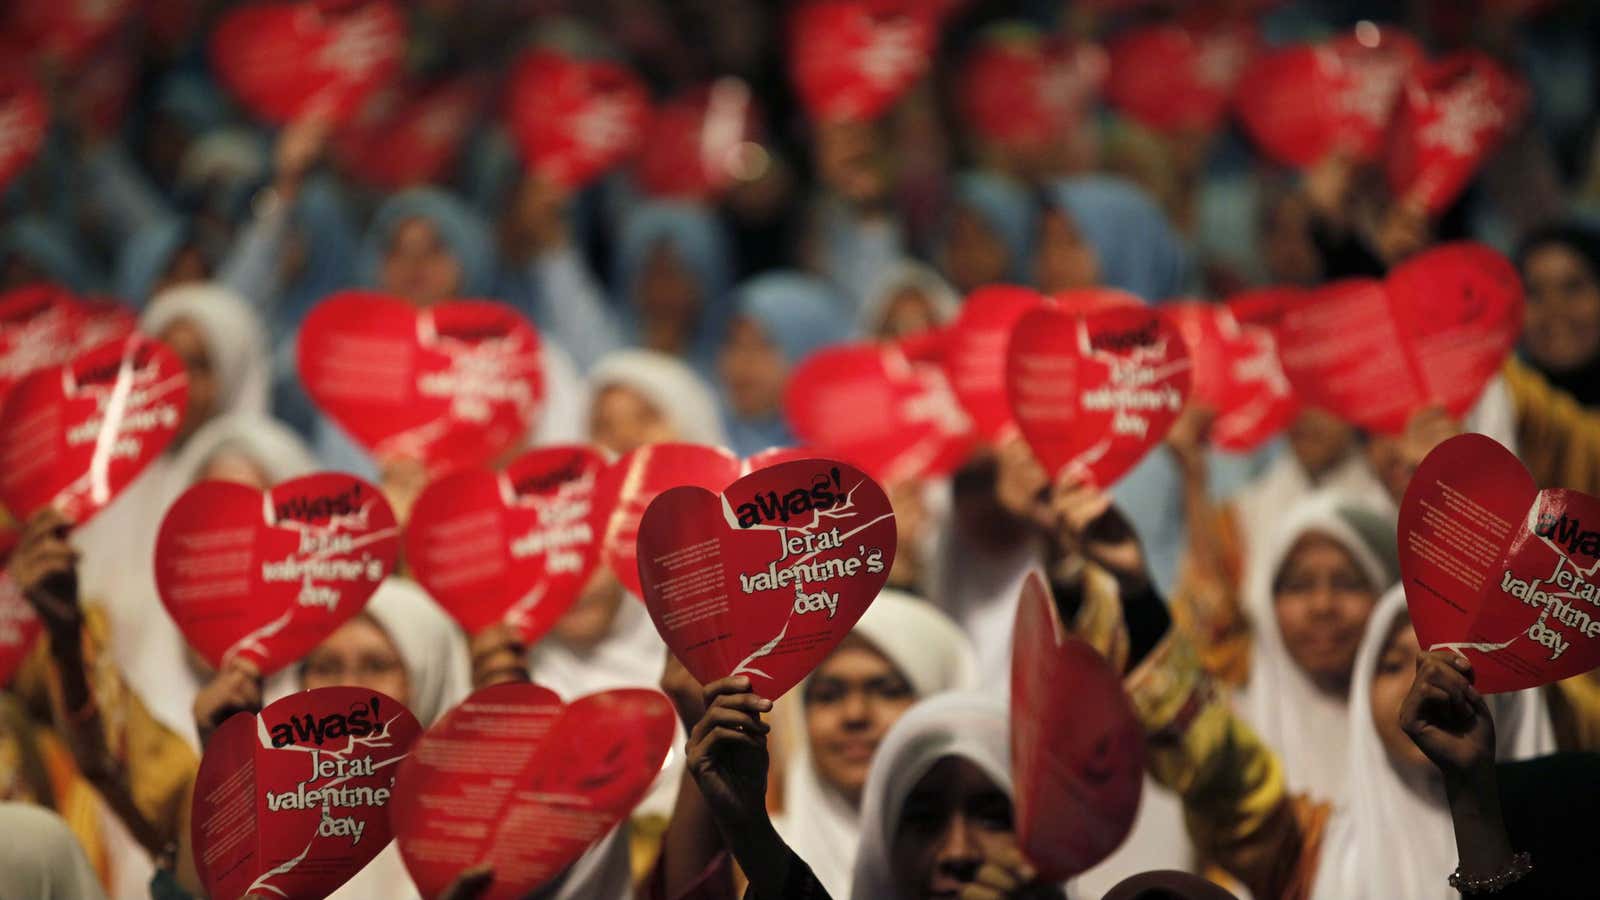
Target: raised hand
(727,753)
(44,567)
(235,688)
(1090,524)
(1446,717)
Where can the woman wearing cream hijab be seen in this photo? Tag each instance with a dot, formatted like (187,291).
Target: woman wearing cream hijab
(901,651)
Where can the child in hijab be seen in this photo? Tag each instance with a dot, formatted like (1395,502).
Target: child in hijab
(989,236)
(899,652)
(780,319)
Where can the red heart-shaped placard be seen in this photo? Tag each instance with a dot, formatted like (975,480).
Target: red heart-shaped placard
(267,576)
(698,142)
(62,33)
(455,384)
(1177,78)
(43,325)
(24,114)
(293,801)
(871,404)
(574,119)
(1434,333)
(1077,749)
(1302,103)
(514,779)
(768,577)
(850,61)
(1099,390)
(625,490)
(973,352)
(286,60)
(410,135)
(1236,373)
(74,435)
(514,546)
(1025,92)
(1452,115)
(1498,570)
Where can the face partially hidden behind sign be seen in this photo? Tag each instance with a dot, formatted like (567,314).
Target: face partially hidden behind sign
(267,576)
(514,546)
(1498,570)
(452,385)
(76,434)
(291,802)
(1077,751)
(1098,390)
(513,778)
(766,578)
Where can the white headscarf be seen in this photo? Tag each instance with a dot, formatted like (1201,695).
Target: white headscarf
(118,567)
(979,588)
(1259,506)
(235,341)
(431,646)
(1393,837)
(668,385)
(1303,724)
(971,726)
(927,648)
(41,858)
(908,274)
(562,420)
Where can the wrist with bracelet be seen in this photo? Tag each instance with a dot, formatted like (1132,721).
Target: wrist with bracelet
(1521,864)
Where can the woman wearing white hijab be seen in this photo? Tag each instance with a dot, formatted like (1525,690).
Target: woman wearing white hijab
(1394,837)
(639,397)
(1391,834)
(217,335)
(147,646)
(1308,594)
(424,665)
(223,349)
(955,750)
(820,820)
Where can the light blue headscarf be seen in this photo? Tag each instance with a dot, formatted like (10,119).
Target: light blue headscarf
(1137,249)
(147,256)
(1006,207)
(49,248)
(457,225)
(701,244)
(799,314)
